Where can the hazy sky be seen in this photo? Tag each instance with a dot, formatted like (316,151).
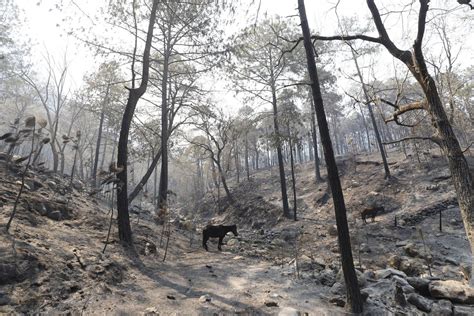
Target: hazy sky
(46,28)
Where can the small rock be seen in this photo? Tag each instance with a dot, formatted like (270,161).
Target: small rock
(205,298)
(332,230)
(56,215)
(452,261)
(365,248)
(412,267)
(78,185)
(271,304)
(337,301)
(432,187)
(369,275)
(52,185)
(326,277)
(442,308)
(385,273)
(150,248)
(420,302)
(394,261)
(410,249)
(171,297)
(232,242)
(364,294)
(338,288)
(408,289)
(151,311)
(401,243)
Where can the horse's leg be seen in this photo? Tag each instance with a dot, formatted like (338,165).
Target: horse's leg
(205,238)
(220,243)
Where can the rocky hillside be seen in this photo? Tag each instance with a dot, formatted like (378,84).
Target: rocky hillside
(52,260)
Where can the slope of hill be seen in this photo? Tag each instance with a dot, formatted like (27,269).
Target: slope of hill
(52,260)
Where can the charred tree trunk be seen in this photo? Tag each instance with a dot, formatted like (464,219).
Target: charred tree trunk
(224,183)
(354,299)
(237,162)
(315,145)
(123,217)
(163,188)
(281,167)
(145,177)
(247,167)
(104,151)
(97,147)
(293,178)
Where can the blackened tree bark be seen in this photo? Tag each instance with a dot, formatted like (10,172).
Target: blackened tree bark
(123,218)
(146,176)
(163,189)
(354,299)
(247,168)
(293,178)
(281,166)
(315,145)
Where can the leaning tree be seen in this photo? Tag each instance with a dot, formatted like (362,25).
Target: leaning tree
(443,135)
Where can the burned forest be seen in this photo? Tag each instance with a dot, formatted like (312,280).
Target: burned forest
(248,157)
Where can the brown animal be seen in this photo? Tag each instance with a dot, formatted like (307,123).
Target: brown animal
(371,212)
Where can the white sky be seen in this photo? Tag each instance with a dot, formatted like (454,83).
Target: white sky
(45,26)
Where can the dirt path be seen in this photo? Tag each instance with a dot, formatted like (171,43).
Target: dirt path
(235,284)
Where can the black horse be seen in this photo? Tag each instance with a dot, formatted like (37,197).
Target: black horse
(217,231)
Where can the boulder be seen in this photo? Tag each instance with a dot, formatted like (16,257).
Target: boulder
(454,291)
(442,308)
(423,304)
(421,285)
